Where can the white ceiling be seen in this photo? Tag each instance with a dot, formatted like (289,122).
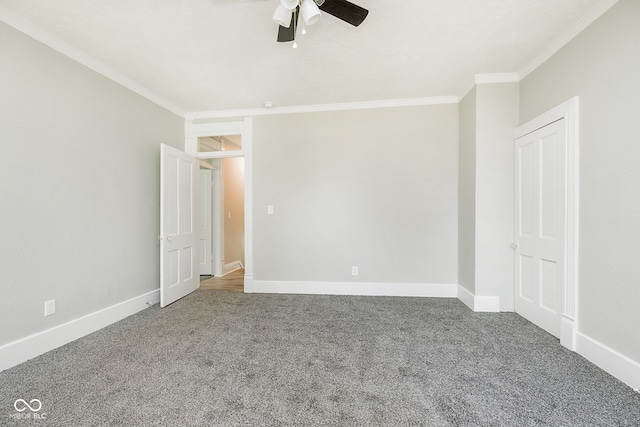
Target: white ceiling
(203,55)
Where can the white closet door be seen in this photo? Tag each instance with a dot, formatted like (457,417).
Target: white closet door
(541,226)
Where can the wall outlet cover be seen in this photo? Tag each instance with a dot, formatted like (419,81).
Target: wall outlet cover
(49,307)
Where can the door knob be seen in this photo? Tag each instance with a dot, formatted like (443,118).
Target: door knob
(514,246)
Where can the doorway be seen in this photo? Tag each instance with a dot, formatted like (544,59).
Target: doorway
(224,152)
(233,282)
(221,209)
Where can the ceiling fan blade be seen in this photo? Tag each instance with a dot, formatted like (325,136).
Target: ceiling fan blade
(347,11)
(289,34)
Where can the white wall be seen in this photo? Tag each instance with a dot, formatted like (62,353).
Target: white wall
(467,193)
(496,121)
(375,189)
(601,66)
(79,187)
(488,119)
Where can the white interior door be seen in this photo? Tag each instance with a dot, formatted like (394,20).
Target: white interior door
(541,226)
(178,235)
(204,223)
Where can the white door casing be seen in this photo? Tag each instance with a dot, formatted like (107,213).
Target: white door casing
(546,246)
(540,267)
(178,228)
(204,223)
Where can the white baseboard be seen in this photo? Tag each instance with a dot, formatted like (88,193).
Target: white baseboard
(230,267)
(248,283)
(478,303)
(609,360)
(466,297)
(16,352)
(356,288)
(568,333)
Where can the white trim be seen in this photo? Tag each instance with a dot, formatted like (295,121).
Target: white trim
(26,348)
(438,290)
(490,79)
(364,105)
(466,297)
(568,35)
(568,111)
(609,360)
(562,111)
(248,283)
(466,92)
(478,303)
(496,78)
(219,154)
(215,129)
(568,333)
(247,144)
(60,46)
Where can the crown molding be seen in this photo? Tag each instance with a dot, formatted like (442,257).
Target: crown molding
(496,78)
(487,79)
(410,102)
(48,39)
(568,35)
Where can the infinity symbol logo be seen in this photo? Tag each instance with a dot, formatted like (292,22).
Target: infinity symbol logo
(37,405)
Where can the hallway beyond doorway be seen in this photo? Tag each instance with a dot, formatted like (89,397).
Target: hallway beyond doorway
(233,281)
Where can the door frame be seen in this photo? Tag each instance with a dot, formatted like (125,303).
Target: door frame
(569,112)
(245,128)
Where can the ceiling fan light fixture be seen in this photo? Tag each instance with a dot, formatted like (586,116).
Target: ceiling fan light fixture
(310,12)
(342,9)
(290,4)
(282,16)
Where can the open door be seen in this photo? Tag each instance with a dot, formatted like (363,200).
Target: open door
(205,215)
(178,232)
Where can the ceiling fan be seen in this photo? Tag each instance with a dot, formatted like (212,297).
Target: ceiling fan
(288,11)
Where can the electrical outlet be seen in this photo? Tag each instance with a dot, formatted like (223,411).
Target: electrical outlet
(49,307)
(354,271)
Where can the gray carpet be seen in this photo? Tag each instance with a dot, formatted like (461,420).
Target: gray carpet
(225,358)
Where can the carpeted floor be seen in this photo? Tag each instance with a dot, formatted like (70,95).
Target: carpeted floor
(227,359)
